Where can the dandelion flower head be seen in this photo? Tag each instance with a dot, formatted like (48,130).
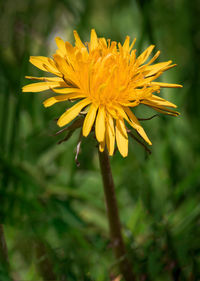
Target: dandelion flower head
(107,81)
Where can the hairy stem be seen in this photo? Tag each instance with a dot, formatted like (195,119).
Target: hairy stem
(113,217)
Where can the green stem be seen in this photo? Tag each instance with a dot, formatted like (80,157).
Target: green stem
(113,217)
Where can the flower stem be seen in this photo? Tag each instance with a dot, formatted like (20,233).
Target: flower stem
(113,217)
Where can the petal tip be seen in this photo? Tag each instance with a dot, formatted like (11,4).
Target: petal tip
(24,89)
(45,104)
(84,133)
(124,154)
(60,123)
(75,33)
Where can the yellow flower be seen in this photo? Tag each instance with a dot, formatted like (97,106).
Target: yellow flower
(108,80)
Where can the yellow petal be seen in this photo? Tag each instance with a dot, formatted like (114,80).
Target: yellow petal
(89,120)
(43,62)
(42,86)
(132,44)
(103,42)
(173,113)
(100,124)
(70,53)
(126,44)
(65,69)
(61,45)
(71,113)
(160,108)
(93,40)
(136,125)
(51,101)
(166,85)
(62,65)
(47,79)
(102,145)
(110,134)
(148,80)
(130,104)
(159,101)
(112,111)
(120,112)
(121,137)
(69,48)
(67,90)
(78,41)
(144,56)
(154,58)
(168,67)
(161,66)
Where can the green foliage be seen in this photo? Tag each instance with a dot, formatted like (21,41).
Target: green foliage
(53,212)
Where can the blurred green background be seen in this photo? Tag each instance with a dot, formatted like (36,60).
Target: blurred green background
(53,212)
